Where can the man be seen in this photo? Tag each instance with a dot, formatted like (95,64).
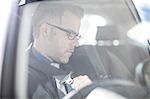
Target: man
(55,34)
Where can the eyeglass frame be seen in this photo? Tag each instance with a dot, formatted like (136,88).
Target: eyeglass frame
(70,33)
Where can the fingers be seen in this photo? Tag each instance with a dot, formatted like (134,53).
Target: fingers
(80,82)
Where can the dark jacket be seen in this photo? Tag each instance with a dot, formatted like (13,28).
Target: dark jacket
(41,81)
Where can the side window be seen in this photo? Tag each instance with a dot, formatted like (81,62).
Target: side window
(71,44)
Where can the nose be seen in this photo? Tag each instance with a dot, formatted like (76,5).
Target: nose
(76,43)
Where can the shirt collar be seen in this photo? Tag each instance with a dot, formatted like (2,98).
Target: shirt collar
(40,57)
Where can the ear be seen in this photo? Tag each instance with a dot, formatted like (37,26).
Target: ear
(44,29)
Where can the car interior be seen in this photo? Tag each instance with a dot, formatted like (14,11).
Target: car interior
(114,61)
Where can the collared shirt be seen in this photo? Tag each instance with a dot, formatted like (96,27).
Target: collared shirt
(50,62)
(43,59)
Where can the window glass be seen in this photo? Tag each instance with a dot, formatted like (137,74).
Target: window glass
(75,44)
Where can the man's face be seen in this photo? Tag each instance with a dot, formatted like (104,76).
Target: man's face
(61,44)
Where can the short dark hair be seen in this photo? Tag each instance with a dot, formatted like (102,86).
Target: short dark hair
(48,12)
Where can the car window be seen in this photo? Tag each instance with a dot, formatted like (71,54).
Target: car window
(69,48)
(143,9)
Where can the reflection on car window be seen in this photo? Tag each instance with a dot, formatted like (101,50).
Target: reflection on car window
(61,62)
(143,8)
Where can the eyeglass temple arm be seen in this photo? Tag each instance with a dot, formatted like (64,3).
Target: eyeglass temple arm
(65,30)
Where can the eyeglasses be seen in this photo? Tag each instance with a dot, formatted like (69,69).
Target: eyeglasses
(70,33)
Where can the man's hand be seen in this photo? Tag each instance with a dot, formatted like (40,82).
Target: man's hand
(80,82)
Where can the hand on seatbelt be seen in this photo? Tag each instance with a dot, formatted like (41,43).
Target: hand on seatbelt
(80,82)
